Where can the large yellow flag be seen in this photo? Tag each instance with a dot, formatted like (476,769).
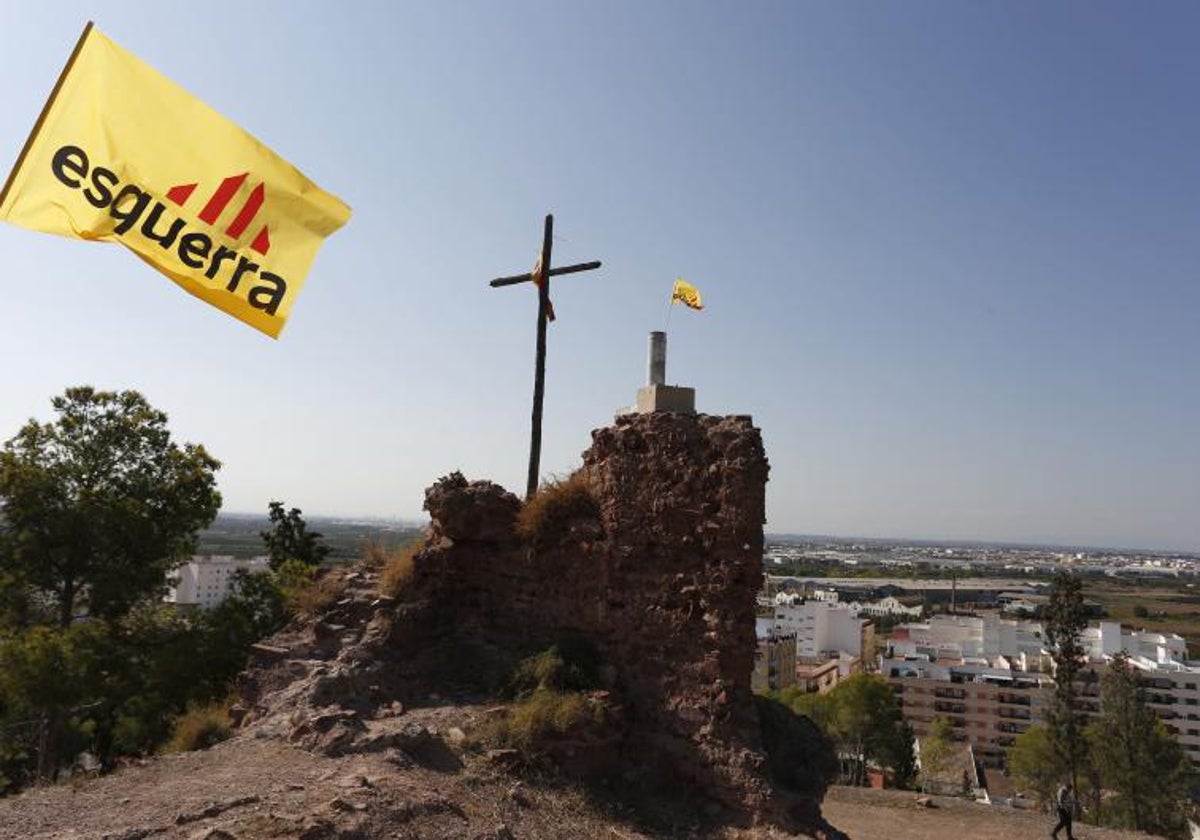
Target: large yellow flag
(687,294)
(123,154)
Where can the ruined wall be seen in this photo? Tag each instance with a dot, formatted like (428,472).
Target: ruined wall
(660,574)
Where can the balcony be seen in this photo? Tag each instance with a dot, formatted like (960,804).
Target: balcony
(955,708)
(1015,714)
(953,693)
(1014,699)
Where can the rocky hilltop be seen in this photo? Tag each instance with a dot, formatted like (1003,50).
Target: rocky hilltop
(649,557)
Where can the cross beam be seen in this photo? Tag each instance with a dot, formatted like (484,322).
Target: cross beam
(554,272)
(542,280)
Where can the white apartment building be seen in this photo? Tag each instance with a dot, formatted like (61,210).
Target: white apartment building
(825,629)
(1170,681)
(1107,639)
(958,667)
(970,639)
(1173,692)
(205,581)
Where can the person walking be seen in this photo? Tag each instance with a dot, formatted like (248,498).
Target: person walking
(1064,800)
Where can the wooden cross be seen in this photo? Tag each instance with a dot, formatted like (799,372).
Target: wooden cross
(539,371)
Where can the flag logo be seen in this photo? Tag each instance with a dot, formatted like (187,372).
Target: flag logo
(220,199)
(687,294)
(238,227)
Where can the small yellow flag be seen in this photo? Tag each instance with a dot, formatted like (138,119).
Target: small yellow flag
(687,294)
(123,154)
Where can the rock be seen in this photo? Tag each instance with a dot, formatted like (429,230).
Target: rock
(518,795)
(339,804)
(479,511)
(215,809)
(213,834)
(501,832)
(319,829)
(503,758)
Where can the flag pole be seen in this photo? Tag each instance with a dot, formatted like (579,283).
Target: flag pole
(37,126)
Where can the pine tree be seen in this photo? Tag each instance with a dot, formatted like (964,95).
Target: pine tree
(1065,621)
(1137,759)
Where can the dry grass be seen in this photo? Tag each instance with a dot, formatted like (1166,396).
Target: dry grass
(556,503)
(550,687)
(376,554)
(569,665)
(200,728)
(317,597)
(397,567)
(544,713)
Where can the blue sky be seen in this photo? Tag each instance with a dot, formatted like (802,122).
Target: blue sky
(949,251)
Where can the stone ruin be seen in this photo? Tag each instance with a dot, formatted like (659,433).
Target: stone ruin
(657,569)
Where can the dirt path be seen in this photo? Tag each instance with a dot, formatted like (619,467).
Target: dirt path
(894,815)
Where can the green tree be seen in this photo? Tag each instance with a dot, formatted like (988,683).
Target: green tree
(100,505)
(1065,620)
(1035,763)
(1138,760)
(935,750)
(861,716)
(288,538)
(47,679)
(257,604)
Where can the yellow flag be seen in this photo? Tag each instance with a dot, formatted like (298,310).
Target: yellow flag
(687,294)
(123,154)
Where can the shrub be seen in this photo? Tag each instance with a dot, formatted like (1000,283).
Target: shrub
(570,665)
(549,687)
(317,597)
(454,481)
(306,591)
(553,506)
(376,553)
(544,713)
(200,728)
(397,568)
